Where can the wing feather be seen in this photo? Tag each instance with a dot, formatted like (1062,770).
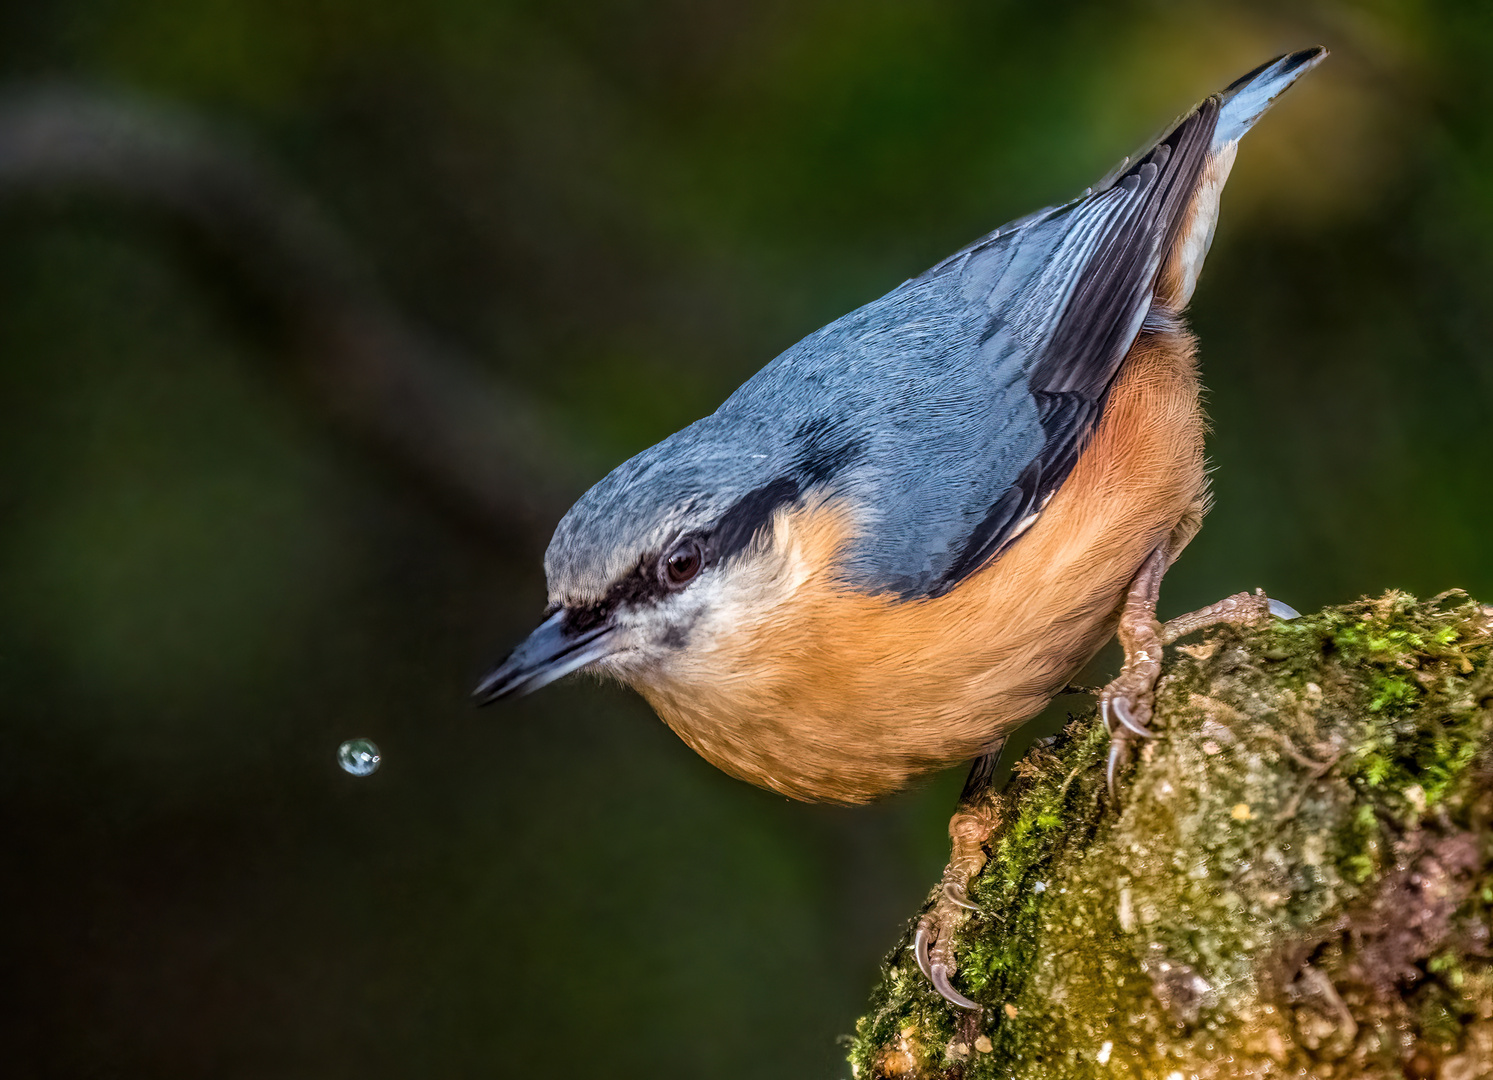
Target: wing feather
(1077,313)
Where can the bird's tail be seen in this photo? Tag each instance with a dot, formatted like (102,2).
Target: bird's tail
(1245,100)
(1240,105)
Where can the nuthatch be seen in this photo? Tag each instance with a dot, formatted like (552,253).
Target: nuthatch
(901,538)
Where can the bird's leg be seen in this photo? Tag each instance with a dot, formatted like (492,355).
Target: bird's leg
(970,827)
(1125,704)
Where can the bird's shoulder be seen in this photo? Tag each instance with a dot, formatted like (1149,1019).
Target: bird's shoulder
(915,411)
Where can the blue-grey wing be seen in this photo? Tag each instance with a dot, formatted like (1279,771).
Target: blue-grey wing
(994,367)
(945,413)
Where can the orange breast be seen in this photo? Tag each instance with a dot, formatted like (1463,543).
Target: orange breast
(827,694)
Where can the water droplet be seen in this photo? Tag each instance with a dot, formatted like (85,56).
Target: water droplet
(360,757)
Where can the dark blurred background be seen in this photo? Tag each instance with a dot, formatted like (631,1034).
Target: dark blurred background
(616,211)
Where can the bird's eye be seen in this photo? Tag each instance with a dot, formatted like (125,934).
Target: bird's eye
(682,564)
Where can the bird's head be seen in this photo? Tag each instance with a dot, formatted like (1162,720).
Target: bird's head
(671,551)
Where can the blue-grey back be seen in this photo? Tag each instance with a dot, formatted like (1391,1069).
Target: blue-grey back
(915,409)
(942,414)
(911,410)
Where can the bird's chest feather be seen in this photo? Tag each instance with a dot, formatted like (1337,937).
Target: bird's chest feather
(806,686)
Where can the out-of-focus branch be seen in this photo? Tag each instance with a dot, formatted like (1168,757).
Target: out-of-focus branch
(480,452)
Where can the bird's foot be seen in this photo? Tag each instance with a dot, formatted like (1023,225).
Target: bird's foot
(933,941)
(1126,703)
(1241,609)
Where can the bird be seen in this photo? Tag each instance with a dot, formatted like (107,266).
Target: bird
(901,538)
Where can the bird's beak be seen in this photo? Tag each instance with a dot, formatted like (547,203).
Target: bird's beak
(549,653)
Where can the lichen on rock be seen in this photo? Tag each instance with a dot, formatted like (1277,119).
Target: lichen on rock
(1297,882)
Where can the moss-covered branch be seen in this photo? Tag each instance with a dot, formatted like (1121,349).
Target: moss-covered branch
(1298,883)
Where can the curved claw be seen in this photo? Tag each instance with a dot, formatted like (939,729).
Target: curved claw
(1109,725)
(1282,610)
(955,895)
(1122,711)
(920,946)
(940,980)
(1112,767)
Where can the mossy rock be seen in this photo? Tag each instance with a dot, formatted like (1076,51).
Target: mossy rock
(1298,881)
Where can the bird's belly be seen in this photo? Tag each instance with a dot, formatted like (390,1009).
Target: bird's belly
(840,696)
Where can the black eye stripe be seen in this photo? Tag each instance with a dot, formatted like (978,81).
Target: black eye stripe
(752,512)
(645,583)
(639,586)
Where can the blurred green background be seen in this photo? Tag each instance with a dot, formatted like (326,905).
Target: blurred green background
(624,209)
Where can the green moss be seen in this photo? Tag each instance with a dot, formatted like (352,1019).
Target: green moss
(1393,692)
(1296,759)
